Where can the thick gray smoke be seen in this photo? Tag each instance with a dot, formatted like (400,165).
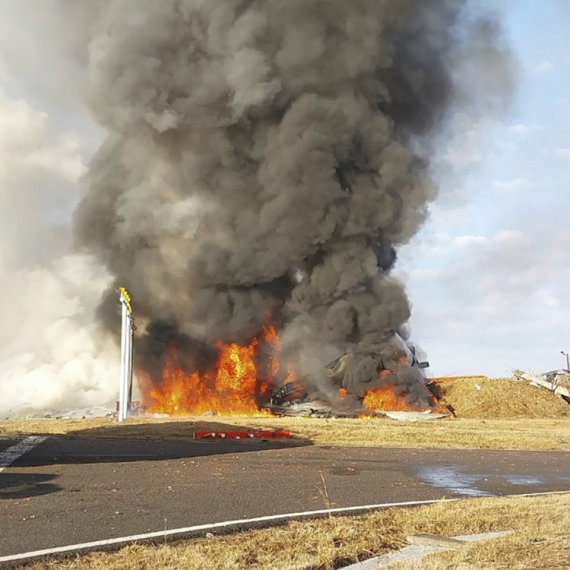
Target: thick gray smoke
(267,157)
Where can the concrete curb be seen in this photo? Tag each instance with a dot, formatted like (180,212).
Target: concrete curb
(421,546)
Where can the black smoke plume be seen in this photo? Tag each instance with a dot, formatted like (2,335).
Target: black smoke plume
(268,157)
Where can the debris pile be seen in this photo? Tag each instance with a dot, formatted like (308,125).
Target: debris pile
(557,381)
(500,398)
(399,387)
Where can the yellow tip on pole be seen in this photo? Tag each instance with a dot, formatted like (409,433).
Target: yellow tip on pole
(127,298)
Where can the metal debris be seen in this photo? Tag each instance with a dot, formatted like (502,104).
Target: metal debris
(315,409)
(557,381)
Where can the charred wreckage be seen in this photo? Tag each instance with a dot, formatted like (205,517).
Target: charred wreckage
(309,396)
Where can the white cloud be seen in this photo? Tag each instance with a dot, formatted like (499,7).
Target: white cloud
(452,198)
(465,146)
(469,241)
(509,147)
(449,217)
(520,129)
(425,246)
(563,152)
(462,157)
(489,302)
(42,53)
(514,185)
(435,244)
(39,170)
(511,238)
(541,67)
(523,130)
(30,141)
(515,266)
(548,298)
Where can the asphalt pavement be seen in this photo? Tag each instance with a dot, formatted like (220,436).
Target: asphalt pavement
(68,490)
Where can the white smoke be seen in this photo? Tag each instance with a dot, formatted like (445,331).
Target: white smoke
(51,356)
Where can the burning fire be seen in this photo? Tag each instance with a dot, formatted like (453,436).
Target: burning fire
(387,400)
(241,383)
(233,388)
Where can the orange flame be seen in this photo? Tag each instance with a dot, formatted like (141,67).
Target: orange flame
(233,389)
(237,387)
(387,400)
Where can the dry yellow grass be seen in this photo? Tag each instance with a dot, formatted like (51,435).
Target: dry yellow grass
(486,398)
(541,540)
(448,433)
(542,544)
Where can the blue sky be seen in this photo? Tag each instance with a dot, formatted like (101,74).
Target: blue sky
(488,274)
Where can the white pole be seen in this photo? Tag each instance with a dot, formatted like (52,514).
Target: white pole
(126,354)
(124,370)
(125,367)
(130,376)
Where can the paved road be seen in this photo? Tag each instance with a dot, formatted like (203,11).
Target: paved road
(74,490)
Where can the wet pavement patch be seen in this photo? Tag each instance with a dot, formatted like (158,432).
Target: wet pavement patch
(527,480)
(453,479)
(456,479)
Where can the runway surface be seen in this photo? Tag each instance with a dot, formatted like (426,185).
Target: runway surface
(65,490)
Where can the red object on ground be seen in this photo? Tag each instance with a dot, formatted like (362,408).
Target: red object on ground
(242,435)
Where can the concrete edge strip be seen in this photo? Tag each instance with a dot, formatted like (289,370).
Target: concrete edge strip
(415,552)
(228,524)
(8,456)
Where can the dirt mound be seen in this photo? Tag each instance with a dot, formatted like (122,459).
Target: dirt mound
(487,398)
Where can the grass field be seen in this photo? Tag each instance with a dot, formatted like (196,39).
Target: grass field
(541,540)
(447,433)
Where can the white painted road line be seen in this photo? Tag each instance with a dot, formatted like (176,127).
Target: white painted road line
(99,544)
(207,527)
(8,456)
